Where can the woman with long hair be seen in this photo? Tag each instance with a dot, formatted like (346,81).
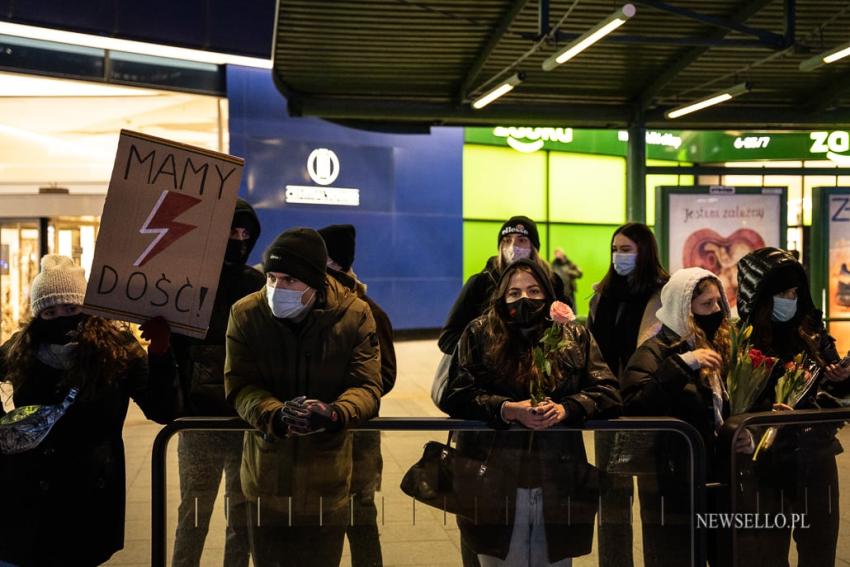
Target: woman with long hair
(622,317)
(62,461)
(537,503)
(680,373)
(797,474)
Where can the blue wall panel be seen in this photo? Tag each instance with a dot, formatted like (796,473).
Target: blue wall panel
(409,224)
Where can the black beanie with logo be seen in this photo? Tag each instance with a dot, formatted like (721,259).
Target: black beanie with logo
(339,239)
(300,253)
(523,226)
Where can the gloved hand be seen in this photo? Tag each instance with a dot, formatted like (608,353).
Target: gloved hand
(158,333)
(302,416)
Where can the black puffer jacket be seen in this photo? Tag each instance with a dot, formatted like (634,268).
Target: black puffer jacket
(757,276)
(657,381)
(474,299)
(201,361)
(554,460)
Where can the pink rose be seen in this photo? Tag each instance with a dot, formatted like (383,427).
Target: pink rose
(561,313)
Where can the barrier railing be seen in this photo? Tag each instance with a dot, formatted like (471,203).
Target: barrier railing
(695,445)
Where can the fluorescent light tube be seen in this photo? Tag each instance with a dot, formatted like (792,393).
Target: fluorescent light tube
(500,90)
(830,56)
(590,37)
(113,44)
(710,100)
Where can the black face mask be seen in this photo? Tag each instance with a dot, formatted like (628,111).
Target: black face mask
(709,323)
(55,331)
(524,313)
(237,251)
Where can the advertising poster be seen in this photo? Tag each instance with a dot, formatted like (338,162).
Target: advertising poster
(714,227)
(163,233)
(837,288)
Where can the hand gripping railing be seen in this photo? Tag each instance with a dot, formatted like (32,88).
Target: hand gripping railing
(160,445)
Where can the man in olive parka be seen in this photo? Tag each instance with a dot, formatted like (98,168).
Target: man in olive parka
(303,362)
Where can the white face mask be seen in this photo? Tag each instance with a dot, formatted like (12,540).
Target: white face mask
(783,309)
(287,303)
(624,262)
(514,253)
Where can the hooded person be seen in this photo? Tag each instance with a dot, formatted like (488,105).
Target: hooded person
(680,373)
(363,536)
(791,476)
(204,456)
(518,238)
(61,449)
(303,364)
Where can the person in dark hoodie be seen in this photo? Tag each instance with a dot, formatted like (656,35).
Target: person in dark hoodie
(798,473)
(518,238)
(203,456)
(367,463)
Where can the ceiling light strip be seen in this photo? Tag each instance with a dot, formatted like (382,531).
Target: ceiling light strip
(710,100)
(590,37)
(142,48)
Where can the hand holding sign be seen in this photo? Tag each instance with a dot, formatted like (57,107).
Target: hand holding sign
(163,233)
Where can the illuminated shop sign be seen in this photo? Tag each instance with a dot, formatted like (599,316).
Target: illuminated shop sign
(751,142)
(528,140)
(654,138)
(833,144)
(323,168)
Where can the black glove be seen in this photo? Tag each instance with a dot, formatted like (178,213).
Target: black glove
(301,416)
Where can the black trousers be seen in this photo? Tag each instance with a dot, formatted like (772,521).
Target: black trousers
(202,458)
(616,495)
(363,537)
(813,491)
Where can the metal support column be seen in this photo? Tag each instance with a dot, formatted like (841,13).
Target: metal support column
(636,171)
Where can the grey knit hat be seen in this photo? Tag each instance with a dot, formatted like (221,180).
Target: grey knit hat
(60,281)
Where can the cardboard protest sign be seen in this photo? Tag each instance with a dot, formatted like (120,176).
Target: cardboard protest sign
(163,233)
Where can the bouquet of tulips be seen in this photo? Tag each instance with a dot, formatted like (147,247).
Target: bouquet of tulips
(792,387)
(550,343)
(748,372)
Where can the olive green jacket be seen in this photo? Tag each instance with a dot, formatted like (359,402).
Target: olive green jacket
(333,356)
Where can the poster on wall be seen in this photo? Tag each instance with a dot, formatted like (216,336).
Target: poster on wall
(163,233)
(713,227)
(830,251)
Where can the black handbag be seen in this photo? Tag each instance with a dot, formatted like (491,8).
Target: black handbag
(431,480)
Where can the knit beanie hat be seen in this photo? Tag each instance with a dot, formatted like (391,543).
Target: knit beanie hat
(521,225)
(299,252)
(60,281)
(339,239)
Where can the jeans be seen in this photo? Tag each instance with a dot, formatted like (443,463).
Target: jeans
(528,539)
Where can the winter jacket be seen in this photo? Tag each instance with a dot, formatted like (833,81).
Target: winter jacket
(649,324)
(658,382)
(201,361)
(383,326)
(554,460)
(756,274)
(333,356)
(64,501)
(474,299)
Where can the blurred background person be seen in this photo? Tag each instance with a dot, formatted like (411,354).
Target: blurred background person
(367,466)
(569,273)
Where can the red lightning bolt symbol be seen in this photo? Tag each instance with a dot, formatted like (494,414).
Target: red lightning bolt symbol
(168,207)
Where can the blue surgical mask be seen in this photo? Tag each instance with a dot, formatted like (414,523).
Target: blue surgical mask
(514,253)
(624,262)
(783,309)
(24,428)
(286,303)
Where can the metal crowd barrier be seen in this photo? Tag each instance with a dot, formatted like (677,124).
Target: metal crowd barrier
(160,445)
